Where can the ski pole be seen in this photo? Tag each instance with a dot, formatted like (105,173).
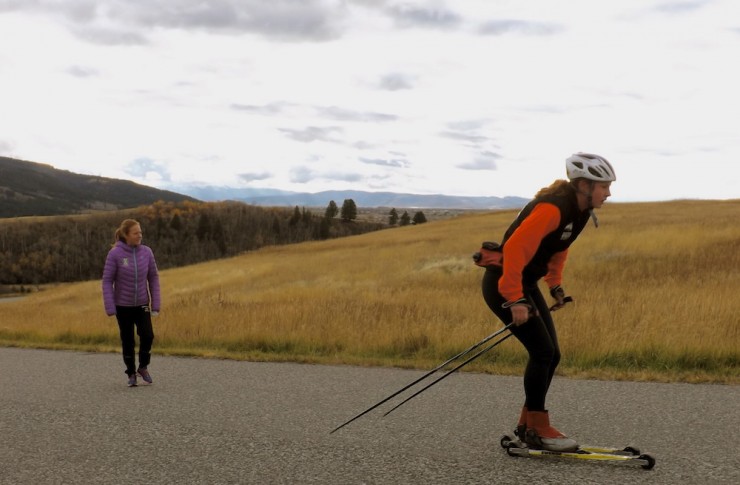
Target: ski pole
(440,366)
(475,356)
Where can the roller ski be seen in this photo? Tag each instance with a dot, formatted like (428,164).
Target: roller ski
(626,456)
(534,436)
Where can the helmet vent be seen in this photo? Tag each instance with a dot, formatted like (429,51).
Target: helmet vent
(595,172)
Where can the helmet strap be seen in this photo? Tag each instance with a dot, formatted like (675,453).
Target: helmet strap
(593,216)
(589,199)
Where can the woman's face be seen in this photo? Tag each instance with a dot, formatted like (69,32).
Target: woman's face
(600,193)
(134,235)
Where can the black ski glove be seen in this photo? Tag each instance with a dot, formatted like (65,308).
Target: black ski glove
(558,293)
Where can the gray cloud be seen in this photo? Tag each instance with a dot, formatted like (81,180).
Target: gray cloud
(467,125)
(315,20)
(344,177)
(128,21)
(341,114)
(485,161)
(329,112)
(301,175)
(304,175)
(424,17)
(469,131)
(384,162)
(109,36)
(269,109)
(364,145)
(82,72)
(143,166)
(681,7)
(507,26)
(82,18)
(379,180)
(396,82)
(252,176)
(313,133)
(469,137)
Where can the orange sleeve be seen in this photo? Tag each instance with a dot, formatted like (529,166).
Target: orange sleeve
(522,245)
(555,267)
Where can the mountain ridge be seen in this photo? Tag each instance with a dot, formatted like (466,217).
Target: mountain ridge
(275,197)
(39,189)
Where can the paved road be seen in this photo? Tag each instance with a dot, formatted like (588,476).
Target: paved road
(68,418)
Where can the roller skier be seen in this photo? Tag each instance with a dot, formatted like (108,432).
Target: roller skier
(535,246)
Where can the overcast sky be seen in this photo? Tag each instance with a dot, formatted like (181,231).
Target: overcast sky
(463,97)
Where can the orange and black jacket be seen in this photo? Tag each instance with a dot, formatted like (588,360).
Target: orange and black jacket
(536,244)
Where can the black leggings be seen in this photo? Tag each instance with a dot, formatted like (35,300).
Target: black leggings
(537,335)
(129,317)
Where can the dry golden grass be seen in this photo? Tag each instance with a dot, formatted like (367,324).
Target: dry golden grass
(655,289)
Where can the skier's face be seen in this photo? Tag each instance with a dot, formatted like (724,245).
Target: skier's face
(601,190)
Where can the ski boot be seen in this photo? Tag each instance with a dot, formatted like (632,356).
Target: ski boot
(540,434)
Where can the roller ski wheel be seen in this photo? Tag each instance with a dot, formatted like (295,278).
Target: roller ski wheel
(649,461)
(631,450)
(508,440)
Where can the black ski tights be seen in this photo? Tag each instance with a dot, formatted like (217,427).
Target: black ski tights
(537,335)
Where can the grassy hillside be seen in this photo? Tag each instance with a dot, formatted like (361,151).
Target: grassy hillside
(655,288)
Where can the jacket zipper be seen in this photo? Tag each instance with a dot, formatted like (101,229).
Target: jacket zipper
(136,280)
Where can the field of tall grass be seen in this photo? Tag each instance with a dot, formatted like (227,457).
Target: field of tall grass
(655,289)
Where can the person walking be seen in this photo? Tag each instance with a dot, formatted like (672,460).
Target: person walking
(535,247)
(131,292)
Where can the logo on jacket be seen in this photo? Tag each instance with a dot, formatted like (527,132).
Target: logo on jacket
(124,261)
(567,231)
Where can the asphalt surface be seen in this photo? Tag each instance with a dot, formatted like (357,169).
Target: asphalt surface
(69,418)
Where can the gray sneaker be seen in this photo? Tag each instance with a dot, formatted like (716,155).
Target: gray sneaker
(132,380)
(145,375)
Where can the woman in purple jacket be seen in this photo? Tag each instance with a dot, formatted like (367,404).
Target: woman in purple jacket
(131,293)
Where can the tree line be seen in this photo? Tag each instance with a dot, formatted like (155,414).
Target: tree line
(405,219)
(43,250)
(348,212)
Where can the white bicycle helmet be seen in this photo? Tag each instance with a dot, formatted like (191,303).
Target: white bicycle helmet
(589,166)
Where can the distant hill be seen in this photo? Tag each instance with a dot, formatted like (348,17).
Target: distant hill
(36,189)
(279,198)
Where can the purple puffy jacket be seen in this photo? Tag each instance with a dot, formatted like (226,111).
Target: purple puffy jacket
(130,278)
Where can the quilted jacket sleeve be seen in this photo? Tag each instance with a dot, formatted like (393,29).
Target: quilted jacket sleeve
(109,277)
(153,280)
